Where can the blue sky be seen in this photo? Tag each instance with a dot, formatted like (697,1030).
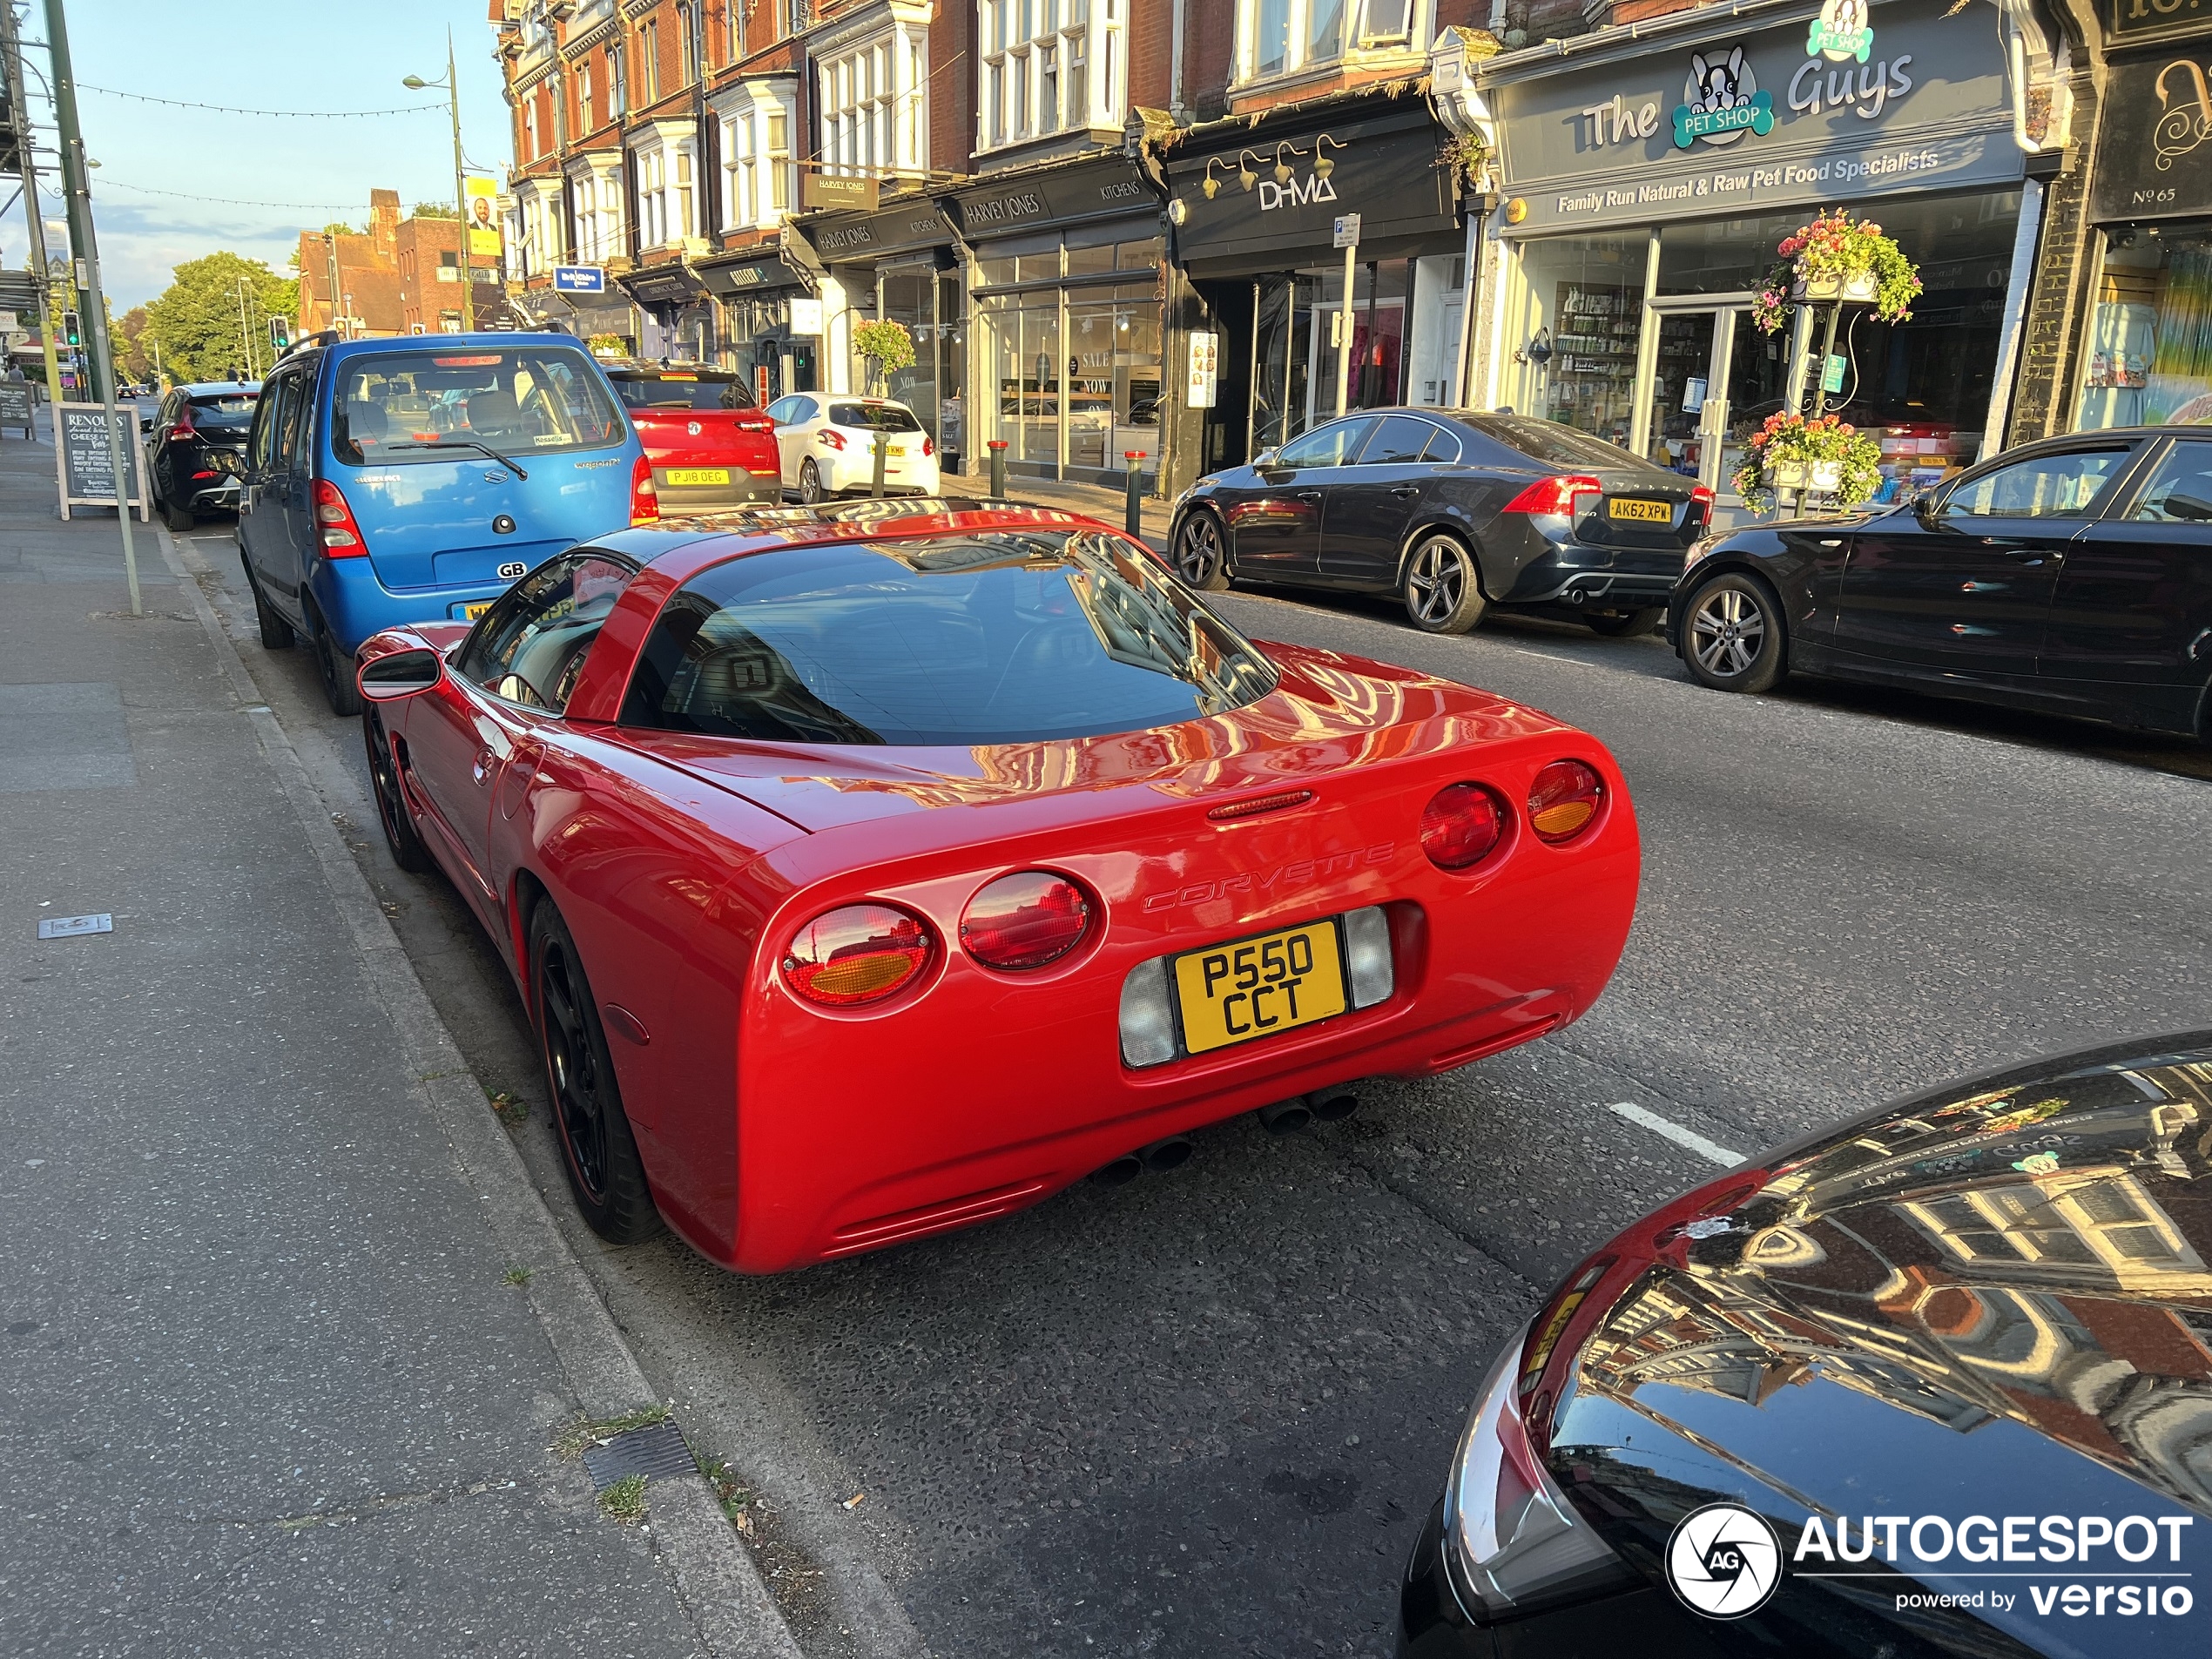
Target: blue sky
(250,54)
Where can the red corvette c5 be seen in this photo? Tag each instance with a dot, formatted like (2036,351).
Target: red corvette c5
(874,871)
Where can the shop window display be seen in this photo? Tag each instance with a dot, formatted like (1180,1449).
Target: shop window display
(1578,334)
(2150,340)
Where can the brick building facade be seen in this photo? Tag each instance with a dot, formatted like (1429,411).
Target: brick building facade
(1067,201)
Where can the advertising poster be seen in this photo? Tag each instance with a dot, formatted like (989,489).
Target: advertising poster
(482,195)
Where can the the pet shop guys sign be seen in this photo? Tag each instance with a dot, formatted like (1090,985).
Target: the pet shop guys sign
(1845,100)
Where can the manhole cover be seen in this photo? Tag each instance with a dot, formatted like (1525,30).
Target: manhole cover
(657,1451)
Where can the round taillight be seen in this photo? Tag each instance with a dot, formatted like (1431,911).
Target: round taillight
(1564,800)
(1461,825)
(1025,920)
(857,954)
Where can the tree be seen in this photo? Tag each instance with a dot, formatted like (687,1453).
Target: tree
(196,319)
(132,352)
(437,210)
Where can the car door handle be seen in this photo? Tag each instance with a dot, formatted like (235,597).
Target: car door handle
(1829,541)
(1308,495)
(482,770)
(1405,490)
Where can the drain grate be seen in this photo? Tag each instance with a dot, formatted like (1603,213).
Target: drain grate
(657,1451)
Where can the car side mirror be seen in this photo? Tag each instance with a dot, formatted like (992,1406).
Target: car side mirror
(1264,459)
(145,424)
(1924,509)
(402,673)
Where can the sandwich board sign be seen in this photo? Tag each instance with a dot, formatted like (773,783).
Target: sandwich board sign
(84,463)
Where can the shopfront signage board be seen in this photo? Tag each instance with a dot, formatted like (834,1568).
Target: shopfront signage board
(806,316)
(579,279)
(825,190)
(1054,196)
(1729,120)
(84,463)
(2155,142)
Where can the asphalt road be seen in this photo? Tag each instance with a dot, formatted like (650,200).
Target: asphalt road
(1202,1414)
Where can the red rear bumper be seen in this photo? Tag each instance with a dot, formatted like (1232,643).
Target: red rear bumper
(974,1094)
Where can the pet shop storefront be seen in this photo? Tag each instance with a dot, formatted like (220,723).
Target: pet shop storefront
(1645,188)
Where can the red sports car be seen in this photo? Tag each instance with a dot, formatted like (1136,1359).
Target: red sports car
(873,871)
(710,445)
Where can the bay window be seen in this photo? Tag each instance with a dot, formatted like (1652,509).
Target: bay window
(1284,37)
(755,118)
(1036,78)
(873,91)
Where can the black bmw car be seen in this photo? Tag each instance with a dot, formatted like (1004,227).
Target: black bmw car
(1936,1381)
(1455,512)
(2072,576)
(196,448)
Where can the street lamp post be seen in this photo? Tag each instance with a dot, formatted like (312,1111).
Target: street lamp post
(452,84)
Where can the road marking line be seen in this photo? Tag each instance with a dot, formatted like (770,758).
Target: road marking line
(1685,1137)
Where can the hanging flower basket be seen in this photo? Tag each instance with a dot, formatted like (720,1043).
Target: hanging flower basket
(1837,259)
(1822,456)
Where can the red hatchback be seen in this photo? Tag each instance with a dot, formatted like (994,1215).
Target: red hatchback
(710,445)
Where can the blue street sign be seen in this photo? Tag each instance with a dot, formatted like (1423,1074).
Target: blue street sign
(579,279)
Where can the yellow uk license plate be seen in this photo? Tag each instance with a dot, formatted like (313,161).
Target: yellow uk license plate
(1645,512)
(476,609)
(1257,987)
(682,476)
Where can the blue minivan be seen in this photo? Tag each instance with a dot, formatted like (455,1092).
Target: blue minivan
(416,478)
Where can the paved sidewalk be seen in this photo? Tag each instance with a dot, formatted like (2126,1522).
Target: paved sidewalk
(1108,504)
(265,1385)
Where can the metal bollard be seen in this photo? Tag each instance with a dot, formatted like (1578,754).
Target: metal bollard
(1132,518)
(998,469)
(881,445)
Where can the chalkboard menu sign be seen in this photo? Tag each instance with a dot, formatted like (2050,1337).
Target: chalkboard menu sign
(86,462)
(16,407)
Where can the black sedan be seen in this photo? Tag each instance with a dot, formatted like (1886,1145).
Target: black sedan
(1936,1381)
(2072,576)
(196,448)
(1453,511)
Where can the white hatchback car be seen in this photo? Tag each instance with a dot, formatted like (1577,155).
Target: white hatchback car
(827,442)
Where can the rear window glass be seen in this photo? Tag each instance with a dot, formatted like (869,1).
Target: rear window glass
(880,417)
(1549,442)
(230,409)
(682,391)
(1001,638)
(407,405)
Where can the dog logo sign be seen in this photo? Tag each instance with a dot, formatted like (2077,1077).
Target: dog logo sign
(1722,100)
(1724,1561)
(1840,32)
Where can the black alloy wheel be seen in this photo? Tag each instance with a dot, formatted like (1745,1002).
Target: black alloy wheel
(1732,634)
(810,483)
(337,684)
(1442,592)
(276,633)
(598,1150)
(406,848)
(1625,625)
(1201,553)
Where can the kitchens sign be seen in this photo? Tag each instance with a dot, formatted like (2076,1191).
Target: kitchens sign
(1866,99)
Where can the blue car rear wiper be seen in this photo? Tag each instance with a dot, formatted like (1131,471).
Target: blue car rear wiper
(463,444)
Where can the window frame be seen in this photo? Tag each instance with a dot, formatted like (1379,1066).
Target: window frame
(1356,41)
(512,601)
(1940,509)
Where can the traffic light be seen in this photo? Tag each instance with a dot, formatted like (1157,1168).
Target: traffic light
(280,333)
(72,333)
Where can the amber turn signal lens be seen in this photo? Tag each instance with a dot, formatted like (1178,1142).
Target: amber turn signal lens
(858,953)
(1564,800)
(1461,824)
(1026,921)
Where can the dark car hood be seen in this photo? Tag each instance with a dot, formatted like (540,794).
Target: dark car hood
(1993,1300)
